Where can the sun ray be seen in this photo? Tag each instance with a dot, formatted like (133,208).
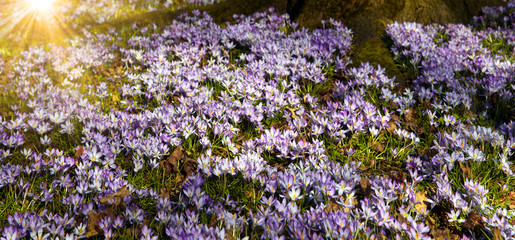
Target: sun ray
(40,5)
(29,22)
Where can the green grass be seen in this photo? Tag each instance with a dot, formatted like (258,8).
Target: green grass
(499,46)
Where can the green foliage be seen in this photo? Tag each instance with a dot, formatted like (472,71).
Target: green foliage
(441,38)
(315,89)
(247,194)
(499,46)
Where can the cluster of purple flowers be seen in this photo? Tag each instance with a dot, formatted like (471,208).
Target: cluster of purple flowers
(203,2)
(195,82)
(497,17)
(174,67)
(460,64)
(456,71)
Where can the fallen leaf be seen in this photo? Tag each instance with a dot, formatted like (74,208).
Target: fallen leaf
(172,163)
(413,126)
(293,112)
(431,221)
(115,199)
(326,97)
(364,168)
(378,146)
(190,165)
(213,221)
(465,169)
(354,136)
(426,103)
(302,137)
(411,116)
(474,222)
(164,193)
(240,138)
(399,176)
(510,200)
(391,127)
(333,206)
(78,153)
(442,234)
(421,207)
(364,185)
(394,117)
(92,229)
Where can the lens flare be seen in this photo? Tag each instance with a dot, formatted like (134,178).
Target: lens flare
(31,22)
(40,5)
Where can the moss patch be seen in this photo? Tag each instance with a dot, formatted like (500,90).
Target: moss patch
(375,52)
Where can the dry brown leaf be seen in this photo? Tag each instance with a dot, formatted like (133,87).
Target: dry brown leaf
(364,168)
(213,221)
(442,234)
(399,176)
(164,193)
(391,127)
(378,146)
(365,187)
(172,163)
(240,138)
(421,206)
(190,165)
(354,136)
(115,199)
(413,126)
(333,206)
(411,116)
(426,103)
(474,222)
(302,137)
(394,118)
(510,200)
(92,229)
(465,169)
(293,112)
(79,153)
(326,97)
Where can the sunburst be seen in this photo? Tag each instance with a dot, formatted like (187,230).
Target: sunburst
(27,22)
(41,6)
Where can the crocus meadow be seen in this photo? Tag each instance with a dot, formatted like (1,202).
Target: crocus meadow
(259,129)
